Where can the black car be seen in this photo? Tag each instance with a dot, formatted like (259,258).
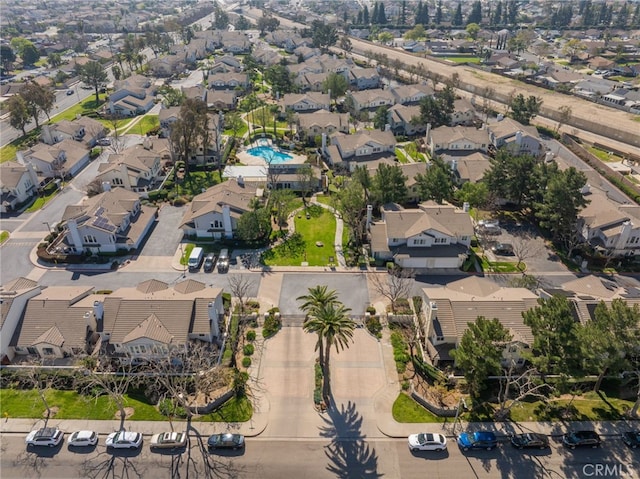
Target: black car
(530,441)
(581,439)
(209,262)
(631,439)
(225,441)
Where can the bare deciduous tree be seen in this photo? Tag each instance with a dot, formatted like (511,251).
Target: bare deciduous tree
(240,286)
(525,246)
(42,379)
(393,286)
(517,385)
(104,376)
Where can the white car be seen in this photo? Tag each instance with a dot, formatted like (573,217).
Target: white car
(83,438)
(169,440)
(124,440)
(426,441)
(46,436)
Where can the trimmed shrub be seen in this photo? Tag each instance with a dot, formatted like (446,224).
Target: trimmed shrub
(251,335)
(374,326)
(248,349)
(246,362)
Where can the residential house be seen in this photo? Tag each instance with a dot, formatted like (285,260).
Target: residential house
(401,117)
(56,323)
(364,78)
(215,213)
(323,122)
(305,53)
(167,65)
(167,117)
(608,226)
(349,151)
(224,100)
(18,183)
(152,319)
(555,77)
(231,62)
(469,167)
(410,171)
(515,137)
(13,300)
(427,237)
(137,168)
(450,308)
(228,81)
(111,221)
(593,88)
(410,94)
(371,100)
(311,81)
(267,56)
(305,102)
(601,63)
(463,113)
(132,96)
(62,160)
(83,129)
(289,176)
(457,139)
(414,46)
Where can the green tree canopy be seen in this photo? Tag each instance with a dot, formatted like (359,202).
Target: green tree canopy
(254,225)
(437,182)
(19,116)
(93,73)
(479,352)
(380,119)
(389,185)
(323,35)
(524,109)
(336,84)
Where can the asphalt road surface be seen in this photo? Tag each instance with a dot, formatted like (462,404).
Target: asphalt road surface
(310,459)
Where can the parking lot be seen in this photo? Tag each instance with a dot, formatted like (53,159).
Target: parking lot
(525,240)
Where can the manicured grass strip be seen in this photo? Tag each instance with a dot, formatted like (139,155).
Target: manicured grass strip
(406,410)
(41,201)
(88,105)
(462,59)
(4,236)
(146,124)
(234,410)
(184,260)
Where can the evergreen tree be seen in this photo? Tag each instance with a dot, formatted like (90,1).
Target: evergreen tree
(457,17)
(359,18)
(374,16)
(438,18)
(497,15)
(512,12)
(382,17)
(417,20)
(475,16)
(635,21)
(403,13)
(365,16)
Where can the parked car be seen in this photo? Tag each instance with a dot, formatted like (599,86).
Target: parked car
(124,440)
(426,441)
(503,249)
(169,440)
(69,92)
(581,439)
(46,436)
(489,223)
(530,441)
(83,439)
(477,440)
(631,439)
(225,441)
(209,262)
(104,141)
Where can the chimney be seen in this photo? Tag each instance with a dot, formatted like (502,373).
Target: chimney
(500,117)
(369,215)
(519,138)
(72,226)
(240,180)
(106,186)
(466,206)
(98,310)
(428,132)
(20,158)
(47,137)
(90,321)
(586,189)
(387,127)
(454,165)
(213,319)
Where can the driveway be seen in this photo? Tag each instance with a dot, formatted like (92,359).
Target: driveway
(166,233)
(351,288)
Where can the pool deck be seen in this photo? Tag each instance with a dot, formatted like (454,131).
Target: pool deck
(247,159)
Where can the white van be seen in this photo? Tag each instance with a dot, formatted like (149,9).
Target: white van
(195,259)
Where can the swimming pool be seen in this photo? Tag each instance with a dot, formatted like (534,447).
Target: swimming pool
(269,154)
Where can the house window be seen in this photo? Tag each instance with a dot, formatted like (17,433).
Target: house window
(439,240)
(89,239)
(419,242)
(117,181)
(47,351)
(439,338)
(31,350)
(216,224)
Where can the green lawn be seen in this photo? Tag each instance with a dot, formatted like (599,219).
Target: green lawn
(72,405)
(41,201)
(4,236)
(146,124)
(406,409)
(603,155)
(240,133)
(8,152)
(83,108)
(462,59)
(184,260)
(320,228)
(401,156)
(196,181)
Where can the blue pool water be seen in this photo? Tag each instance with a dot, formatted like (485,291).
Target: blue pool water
(268,153)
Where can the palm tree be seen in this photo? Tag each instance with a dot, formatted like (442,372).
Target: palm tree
(318,297)
(336,329)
